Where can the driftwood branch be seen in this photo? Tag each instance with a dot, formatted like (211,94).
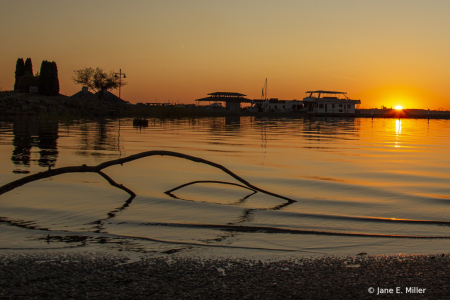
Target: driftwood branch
(120,186)
(97,169)
(209,181)
(169,192)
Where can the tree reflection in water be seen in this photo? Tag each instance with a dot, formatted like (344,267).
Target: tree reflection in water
(29,134)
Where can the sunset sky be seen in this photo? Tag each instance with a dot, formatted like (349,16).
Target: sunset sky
(384,52)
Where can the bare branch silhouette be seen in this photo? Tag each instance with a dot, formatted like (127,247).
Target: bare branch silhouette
(120,186)
(208,181)
(97,169)
(240,201)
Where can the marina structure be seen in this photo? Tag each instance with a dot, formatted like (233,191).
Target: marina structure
(232,100)
(275,105)
(327,102)
(316,103)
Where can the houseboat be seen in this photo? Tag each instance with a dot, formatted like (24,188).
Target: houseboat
(329,103)
(275,105)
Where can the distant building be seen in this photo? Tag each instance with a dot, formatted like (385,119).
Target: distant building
(86,94)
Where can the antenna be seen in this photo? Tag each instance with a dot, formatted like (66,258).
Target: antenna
(266,91)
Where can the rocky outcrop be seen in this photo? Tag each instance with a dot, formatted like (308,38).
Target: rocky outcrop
(14,104)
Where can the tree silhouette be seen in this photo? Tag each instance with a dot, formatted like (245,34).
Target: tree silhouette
(48,82)
(25,81)
(54,81)
(97,80)
(20,71)
(28,66)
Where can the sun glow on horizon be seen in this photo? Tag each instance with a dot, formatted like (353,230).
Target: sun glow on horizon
(243,54)
(398,107)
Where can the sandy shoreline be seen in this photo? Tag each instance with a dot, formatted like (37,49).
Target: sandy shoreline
(56,275)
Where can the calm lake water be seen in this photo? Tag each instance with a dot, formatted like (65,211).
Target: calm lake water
(378,186)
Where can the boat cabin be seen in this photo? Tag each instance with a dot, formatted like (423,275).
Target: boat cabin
(275,105)
(327,102)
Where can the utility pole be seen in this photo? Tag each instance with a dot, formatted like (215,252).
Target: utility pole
(120,79)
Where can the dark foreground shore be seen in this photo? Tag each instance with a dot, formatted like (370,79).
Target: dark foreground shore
(103,276)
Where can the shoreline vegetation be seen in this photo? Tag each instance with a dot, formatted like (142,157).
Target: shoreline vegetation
(15,105)
(87,275)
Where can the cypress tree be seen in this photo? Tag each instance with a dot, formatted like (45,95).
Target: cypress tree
(54,81)
(48,83)
(29,66)
(20,71)
(44,79)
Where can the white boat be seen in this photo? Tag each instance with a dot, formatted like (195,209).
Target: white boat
(327,102)
(275,105)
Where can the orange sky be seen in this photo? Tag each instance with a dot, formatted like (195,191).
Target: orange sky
(382,52)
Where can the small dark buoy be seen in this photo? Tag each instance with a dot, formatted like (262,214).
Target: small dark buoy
(140,123)
(48,238)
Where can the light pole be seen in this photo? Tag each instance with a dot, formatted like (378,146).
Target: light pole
(120,79)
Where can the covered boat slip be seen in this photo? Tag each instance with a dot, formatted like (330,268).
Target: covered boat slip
(232,100)
(328,102)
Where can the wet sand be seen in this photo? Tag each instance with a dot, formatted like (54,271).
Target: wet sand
(107,276)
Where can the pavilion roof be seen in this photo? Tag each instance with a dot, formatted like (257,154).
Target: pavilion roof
(326,92)
(226,94)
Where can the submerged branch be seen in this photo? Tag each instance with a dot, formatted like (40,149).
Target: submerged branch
(120,186)
(97,169)
(169,192)
(208,181)
(194,159)
(41,175)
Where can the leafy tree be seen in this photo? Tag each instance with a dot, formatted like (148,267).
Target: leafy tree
(28,66)
(83,76)
(97,80)
(20,71)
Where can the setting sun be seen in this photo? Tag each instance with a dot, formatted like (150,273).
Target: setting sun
(398,107)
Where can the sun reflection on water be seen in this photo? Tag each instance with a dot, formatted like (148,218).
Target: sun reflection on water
(398,132)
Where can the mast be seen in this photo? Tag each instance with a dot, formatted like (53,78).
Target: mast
(266,91)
